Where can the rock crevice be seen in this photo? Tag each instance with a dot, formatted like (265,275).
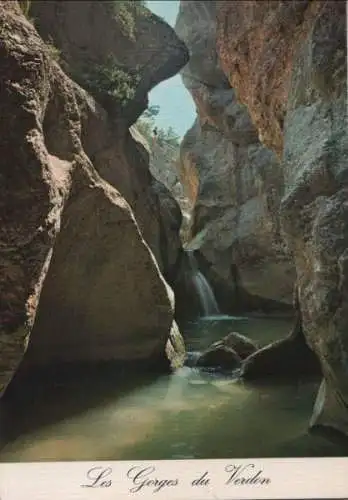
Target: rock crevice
(235,183)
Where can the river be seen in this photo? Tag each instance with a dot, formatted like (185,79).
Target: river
(97,415)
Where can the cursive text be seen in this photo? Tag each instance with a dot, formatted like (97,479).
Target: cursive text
(145,477)
(240,475)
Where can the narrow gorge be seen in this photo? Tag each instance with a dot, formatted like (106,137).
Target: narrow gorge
(183,298)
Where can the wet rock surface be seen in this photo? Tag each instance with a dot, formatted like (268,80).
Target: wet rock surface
(240,343)
(219,357)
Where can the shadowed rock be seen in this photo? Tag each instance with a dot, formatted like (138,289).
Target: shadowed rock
(243,346)
(78,278)
(219,357)
(289,357)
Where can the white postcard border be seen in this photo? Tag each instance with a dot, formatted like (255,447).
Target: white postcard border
(229,479)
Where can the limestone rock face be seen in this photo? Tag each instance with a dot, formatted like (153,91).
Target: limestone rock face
(165,167)
(79,279)
(122,159)
(234,182)
(256,45)
(88,34)
(287,61)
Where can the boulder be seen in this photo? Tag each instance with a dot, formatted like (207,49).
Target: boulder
(243,346)
(289,358)
(79,281)
(220,357)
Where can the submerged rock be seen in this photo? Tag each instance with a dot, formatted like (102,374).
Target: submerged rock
(243,346)
(219,357)
(226,354)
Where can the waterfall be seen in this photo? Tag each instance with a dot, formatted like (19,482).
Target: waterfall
(205,293)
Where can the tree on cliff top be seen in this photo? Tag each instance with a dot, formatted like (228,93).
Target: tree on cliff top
(166,138)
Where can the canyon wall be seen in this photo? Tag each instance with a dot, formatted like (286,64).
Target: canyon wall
(266,166)
(234,182)
(165,166)
(83,222)
(287,61)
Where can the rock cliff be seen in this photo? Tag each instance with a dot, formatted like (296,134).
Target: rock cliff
(302,116)
(234,182)
(286,61)
(165,167)
(81,216)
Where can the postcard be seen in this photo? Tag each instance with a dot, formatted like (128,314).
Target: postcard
(173,250)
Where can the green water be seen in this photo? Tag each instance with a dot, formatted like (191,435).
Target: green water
(188,414)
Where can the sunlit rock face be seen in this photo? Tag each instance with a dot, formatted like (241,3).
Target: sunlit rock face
(287,61)
(234,182)
(82,229)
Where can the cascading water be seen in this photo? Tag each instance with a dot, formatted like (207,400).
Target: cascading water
(205,293)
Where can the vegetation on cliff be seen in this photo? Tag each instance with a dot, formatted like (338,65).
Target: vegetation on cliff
(166,137)
(126,13)
(112,80)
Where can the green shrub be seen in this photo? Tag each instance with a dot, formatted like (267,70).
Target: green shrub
(166,138)
(125,17)
(169,137)
(125,13)
(112,80)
